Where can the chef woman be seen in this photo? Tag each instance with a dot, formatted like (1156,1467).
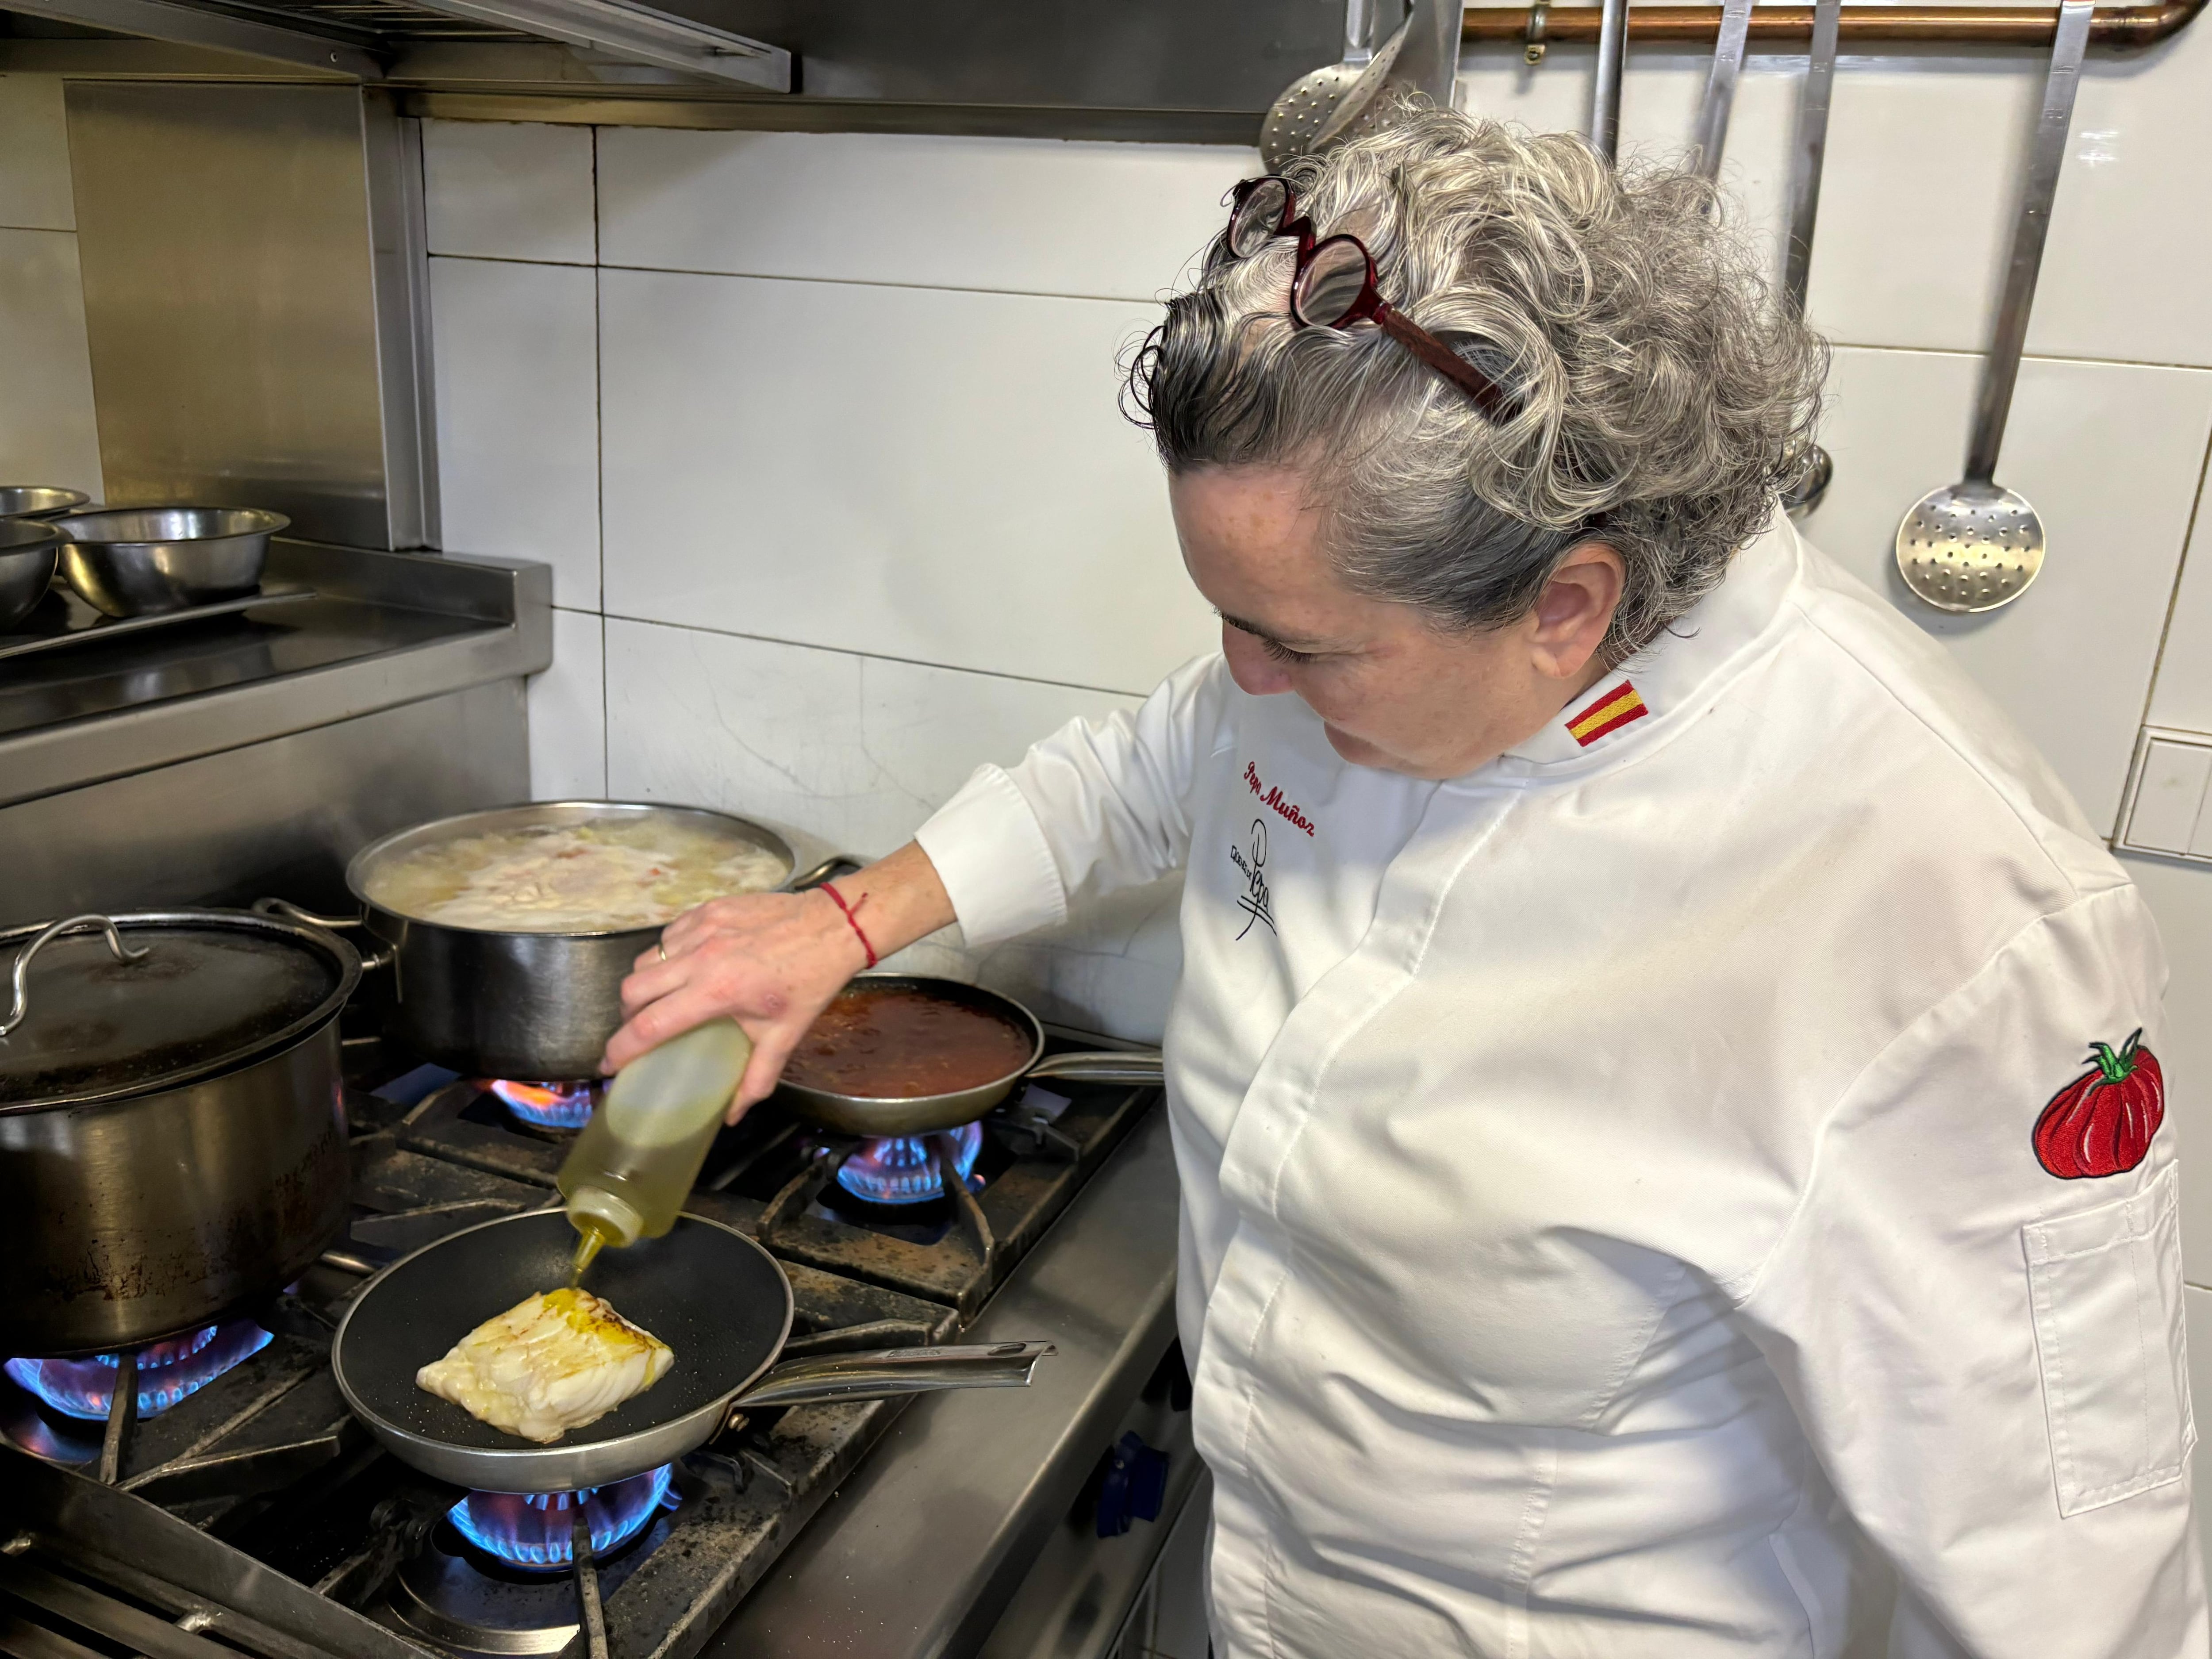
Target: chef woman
(1664,1079)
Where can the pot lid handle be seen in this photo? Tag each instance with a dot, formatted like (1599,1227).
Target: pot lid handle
(20,1007)
(291,912)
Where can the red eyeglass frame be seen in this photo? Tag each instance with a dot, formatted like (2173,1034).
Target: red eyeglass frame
(1495,402)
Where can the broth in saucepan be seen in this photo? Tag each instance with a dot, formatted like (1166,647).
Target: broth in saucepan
(896,1042)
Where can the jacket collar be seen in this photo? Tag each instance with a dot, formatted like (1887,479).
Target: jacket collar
(1676,673)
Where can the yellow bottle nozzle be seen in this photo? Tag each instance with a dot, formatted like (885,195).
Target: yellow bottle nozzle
(591,1238)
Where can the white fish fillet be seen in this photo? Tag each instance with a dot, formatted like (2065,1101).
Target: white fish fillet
(554,1363)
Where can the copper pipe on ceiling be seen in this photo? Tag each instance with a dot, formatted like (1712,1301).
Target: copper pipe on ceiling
(1789,26)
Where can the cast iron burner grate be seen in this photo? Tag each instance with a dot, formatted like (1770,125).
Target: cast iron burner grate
(774,1176)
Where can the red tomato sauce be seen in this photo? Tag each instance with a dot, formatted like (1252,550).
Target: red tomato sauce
(893,1043)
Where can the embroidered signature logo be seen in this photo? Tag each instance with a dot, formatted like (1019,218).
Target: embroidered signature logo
(1270,797)
(1255,902)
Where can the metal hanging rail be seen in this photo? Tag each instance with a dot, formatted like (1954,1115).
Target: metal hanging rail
(1791,27)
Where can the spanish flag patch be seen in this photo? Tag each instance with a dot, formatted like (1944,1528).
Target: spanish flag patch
(1608,714)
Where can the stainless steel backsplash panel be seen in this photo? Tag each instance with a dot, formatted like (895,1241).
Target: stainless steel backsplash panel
(249,256)
(279,817)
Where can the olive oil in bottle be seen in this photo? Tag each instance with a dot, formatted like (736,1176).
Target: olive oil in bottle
(631,1169)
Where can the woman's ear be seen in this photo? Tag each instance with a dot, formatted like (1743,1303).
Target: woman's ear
(1575,609)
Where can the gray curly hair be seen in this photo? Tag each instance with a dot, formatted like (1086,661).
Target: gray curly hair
(1663,397)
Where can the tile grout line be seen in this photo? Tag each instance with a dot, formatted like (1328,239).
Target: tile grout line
(873,656)
(2172,604)
(2031,356)
(601,263)
(599,482)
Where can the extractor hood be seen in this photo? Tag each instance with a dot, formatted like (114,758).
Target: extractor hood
(1165,69)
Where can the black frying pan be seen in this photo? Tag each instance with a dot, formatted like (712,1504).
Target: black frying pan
(717,1300)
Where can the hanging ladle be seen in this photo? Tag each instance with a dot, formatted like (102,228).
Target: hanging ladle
(1605,94)
(1815,469)
(1976,545)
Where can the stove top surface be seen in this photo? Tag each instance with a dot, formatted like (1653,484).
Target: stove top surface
(262,1457)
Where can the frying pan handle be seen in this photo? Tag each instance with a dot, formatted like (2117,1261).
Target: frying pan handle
(370,961)
(1106,1066)
(889,1373)
(835,864)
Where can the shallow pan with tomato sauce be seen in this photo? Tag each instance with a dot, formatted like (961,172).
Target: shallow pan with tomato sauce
(909,1054)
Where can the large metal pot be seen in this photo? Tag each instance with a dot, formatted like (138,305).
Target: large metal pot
(534,1006)
(173,1140)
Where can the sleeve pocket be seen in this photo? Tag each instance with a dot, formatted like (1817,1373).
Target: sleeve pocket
(2105,1287)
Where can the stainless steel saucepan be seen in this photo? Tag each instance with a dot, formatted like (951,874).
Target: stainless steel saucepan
(718,1300)
(917,1114)
(534,1006)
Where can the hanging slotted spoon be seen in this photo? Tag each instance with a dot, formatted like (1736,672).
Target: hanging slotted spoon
(1815,469)
(1294,123)
(1976,545)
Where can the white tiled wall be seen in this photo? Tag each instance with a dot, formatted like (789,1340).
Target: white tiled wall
(568,712)
(2071,659)
(46,430)
(936,475)
(858,749)
(822,432)
(517,357)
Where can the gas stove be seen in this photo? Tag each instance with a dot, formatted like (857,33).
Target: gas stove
(238,1437)
(833,1202)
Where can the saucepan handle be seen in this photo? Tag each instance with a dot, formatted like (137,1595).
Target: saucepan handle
(370,961)
(19,1006)
(1105,1065)
(830,869)
(889,1373)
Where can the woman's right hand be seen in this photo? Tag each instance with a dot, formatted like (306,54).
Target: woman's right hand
(772,962)
(769,961)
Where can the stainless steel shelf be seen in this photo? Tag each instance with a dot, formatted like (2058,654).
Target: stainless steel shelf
(382,629)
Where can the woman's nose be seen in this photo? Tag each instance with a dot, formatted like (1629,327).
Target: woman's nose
(1257,673)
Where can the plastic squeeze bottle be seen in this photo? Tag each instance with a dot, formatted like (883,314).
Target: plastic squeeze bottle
(629,1171)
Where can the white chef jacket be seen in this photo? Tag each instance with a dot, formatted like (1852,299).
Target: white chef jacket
(1611,1221)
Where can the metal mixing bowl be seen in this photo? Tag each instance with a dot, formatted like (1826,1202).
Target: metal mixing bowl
(39,501)
(136,561)
(28,551)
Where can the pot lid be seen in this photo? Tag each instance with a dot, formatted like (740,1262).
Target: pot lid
(111,1007)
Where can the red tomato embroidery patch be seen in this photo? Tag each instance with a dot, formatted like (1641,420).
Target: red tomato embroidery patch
(2101,1123)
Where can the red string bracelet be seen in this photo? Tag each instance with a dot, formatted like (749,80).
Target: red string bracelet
(851,921)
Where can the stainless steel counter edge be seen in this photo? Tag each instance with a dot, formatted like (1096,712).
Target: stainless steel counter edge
(513,598)
(918,1553)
